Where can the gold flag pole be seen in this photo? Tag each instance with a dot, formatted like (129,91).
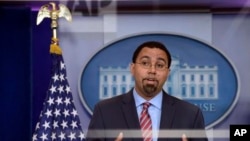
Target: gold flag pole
(50,11)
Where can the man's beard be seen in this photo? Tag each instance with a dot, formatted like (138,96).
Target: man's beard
(149,90)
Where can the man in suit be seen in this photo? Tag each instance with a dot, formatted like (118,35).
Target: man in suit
(121,117)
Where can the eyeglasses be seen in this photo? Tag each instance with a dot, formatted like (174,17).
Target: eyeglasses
(148,65)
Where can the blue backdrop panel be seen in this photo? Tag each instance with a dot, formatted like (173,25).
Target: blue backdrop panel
(15,74)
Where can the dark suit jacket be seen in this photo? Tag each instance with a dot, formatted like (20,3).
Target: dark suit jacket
(120,113)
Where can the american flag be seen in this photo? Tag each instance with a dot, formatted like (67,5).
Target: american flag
(59,119)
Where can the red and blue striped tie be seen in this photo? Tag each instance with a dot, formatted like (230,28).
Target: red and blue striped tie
(146,124)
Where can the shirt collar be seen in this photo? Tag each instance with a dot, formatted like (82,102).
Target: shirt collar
(155,101)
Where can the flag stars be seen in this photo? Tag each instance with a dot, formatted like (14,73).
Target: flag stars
(46,125)
(44,137)
(53,136)
(55,124)
(61,77)
(64,124)
(50,101)
(62,136)
(62,65)
(59,100)
(67,89)
(82,136)
(57,112)
(41,114)
(72,136)
(37,125)
(59,119)
(74,113)
(52,89)
(66,113)
(48,113)
(34,137)
(74,124)
(67,101)
(55,77)
(60,89)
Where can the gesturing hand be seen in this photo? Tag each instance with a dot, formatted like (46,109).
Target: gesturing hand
(184,137)
(119,137)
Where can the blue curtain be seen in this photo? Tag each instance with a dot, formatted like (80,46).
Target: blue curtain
(25,66)
(15,74)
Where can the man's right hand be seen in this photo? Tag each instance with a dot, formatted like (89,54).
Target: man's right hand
(184,137)
(119,137)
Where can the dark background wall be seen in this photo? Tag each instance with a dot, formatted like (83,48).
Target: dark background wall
(25,69)
(15,74)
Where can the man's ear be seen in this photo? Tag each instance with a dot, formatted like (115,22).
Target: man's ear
(132,65)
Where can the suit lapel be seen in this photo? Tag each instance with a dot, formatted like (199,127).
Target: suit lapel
(129,110)
(167,113)
(130,113)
